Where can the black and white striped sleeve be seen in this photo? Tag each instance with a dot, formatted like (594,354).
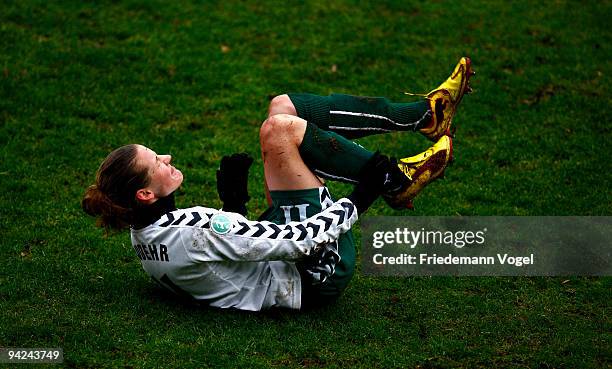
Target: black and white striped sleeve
(229,236)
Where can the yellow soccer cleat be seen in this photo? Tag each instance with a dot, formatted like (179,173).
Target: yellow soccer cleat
(421,170)
(445,99)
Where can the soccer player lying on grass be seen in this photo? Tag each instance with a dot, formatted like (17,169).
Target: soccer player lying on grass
(301,251)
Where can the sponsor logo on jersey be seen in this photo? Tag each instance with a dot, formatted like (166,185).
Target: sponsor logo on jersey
(221,223)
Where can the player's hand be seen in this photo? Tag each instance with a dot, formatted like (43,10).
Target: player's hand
(232,181)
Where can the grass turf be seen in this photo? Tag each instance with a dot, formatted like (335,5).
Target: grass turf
(193,79)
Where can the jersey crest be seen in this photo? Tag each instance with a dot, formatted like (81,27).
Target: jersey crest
(220,223)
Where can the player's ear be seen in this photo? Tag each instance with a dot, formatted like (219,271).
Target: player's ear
(145,196)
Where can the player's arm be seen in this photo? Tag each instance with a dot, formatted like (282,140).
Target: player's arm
(258,241)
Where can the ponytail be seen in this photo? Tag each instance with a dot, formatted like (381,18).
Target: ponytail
(109,214)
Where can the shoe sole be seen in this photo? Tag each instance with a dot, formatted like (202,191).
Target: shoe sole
(406,203)
(467,89)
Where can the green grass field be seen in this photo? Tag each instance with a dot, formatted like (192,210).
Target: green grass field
(193,79)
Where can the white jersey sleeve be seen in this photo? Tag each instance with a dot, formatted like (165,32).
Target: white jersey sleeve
(230,236)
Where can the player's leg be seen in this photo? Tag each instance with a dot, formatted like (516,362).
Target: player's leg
(357,116)
(293,149)
(330,155)
(280,138)
(295,152)
(278,105)
(354,116)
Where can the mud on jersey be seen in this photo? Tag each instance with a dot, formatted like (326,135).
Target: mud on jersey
(232,262)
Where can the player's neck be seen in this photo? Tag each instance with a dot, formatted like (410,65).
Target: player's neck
(148,214)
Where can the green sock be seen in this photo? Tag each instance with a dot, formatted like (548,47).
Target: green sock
(331,156)
(356,116)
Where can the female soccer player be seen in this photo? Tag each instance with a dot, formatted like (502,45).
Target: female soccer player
(301,251)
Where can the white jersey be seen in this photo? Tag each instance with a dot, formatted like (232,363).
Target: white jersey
(232,262)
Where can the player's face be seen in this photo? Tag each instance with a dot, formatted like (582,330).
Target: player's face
(164,178)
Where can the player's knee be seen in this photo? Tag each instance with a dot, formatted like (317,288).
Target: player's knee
(275,128)
(281,104)
(271,127)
